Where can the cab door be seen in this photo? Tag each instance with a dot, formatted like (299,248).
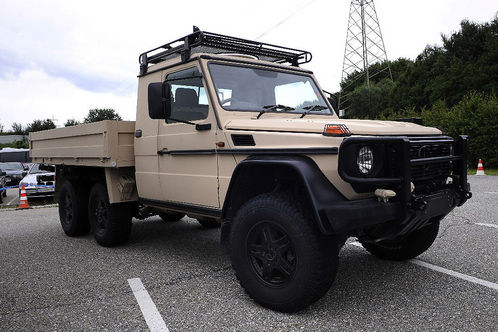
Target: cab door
(188,171)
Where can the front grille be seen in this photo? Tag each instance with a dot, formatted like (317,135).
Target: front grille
(430,173)
(429,150)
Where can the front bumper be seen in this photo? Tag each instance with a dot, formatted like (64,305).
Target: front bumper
(408,210)
(353,217)
(39,192)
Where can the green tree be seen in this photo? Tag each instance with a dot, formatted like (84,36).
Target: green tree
(370,102)
(99,114)
(17,129)
(71,122)
(476,115)
(38,125)
(466,61)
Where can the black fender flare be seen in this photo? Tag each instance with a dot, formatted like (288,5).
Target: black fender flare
(320,192)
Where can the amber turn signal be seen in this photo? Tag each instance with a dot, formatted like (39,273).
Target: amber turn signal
(336,130)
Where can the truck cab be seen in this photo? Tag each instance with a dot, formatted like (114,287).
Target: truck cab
(236,134)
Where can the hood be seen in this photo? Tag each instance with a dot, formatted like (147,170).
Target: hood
(314,125)
(12,172)
(32,179)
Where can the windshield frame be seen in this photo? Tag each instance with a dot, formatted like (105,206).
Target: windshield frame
(274,69)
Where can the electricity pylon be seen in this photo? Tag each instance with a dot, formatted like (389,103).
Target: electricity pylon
(364,47)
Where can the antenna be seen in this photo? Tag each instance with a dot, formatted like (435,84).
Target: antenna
(364,47)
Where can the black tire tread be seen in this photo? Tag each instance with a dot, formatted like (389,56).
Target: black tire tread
(119,227)
(80,226)
(409,247)
(322,251)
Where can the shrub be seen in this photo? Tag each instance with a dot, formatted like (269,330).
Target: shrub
(476,115)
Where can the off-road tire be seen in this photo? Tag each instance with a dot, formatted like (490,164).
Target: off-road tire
(296,245)
(73,201)
(111,223)
(208,222)
(171,216)
(410,246)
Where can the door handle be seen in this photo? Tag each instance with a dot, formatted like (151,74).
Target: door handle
(162,152)
(138,133)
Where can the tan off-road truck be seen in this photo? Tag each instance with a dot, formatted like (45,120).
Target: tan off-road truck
(234,133)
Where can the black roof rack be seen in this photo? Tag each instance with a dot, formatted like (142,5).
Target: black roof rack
(202,41)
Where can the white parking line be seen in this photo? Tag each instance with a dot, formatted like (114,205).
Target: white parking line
(487,225)
(13,199)
(455,274)
(152,316)
(491,192)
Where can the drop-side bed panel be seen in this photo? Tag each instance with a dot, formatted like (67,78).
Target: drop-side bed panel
(103,144)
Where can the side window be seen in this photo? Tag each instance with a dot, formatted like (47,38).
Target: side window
(190,102)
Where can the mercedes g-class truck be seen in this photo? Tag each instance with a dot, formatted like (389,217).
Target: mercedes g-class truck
(234,133)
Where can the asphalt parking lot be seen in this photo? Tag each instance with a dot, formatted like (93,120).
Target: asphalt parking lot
(52,282)
(12,197)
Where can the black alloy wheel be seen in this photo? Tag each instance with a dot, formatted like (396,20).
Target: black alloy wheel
(270,252)
(279,256)
(101,216)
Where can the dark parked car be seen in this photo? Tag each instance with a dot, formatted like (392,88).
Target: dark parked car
(3,184)
(14,172)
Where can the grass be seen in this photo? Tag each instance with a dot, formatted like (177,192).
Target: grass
(487,171)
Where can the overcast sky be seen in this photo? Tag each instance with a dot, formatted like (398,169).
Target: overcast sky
(58,59)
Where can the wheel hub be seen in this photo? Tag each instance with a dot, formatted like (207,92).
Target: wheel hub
(101,215)
(271,253)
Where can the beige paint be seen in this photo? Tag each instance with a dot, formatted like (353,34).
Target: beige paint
(184,179)
(121,186)
(196,179)
(316,124)
(102,144)
(146,159)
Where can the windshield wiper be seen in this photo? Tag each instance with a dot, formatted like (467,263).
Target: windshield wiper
(312,108)
(274,108)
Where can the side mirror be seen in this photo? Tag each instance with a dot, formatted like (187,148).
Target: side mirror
(159,95)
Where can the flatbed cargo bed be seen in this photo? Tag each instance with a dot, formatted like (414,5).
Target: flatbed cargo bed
(103,144)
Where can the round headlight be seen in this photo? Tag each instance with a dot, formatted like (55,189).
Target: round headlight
(365,160)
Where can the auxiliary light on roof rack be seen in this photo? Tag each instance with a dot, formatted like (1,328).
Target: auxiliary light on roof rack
(207,42)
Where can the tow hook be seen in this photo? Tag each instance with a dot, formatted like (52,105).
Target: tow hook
(384,194)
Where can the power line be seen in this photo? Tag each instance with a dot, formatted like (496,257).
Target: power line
(297,9)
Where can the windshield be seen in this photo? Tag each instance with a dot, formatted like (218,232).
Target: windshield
(11,166)
(46,169)
(250,89)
